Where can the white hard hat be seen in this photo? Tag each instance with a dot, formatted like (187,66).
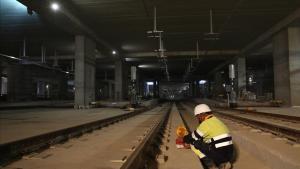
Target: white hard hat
(201,108)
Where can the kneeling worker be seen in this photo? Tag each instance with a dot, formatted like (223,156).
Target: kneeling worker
(211,140)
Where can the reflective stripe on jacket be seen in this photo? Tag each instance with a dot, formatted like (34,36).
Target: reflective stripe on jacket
(213,131)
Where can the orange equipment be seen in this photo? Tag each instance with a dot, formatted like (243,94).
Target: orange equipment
(181,131)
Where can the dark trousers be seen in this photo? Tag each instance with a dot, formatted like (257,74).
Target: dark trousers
(218,155)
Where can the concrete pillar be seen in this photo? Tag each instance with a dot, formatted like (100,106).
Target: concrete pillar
(191,89)
(84,71)
(120,80)
(137,81)
(286,60)
(1,70)
(241,74)
(13,72)
(218,84)
(155,89)
(294,64)
(142,87)
(110,90)
(194,89)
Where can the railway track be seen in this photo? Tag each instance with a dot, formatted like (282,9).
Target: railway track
(11,152)
(277,124)
(281,117)
(189,121)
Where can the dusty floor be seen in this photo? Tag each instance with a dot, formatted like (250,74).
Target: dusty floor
(102,149)
(19,124)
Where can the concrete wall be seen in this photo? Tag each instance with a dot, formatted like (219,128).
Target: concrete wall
(23,79)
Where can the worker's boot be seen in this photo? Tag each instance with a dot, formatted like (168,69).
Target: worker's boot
(226,165)
(208,163)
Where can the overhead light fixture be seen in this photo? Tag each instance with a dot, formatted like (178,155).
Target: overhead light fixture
(201,82)
(150,83)
(114,52)
(55,6)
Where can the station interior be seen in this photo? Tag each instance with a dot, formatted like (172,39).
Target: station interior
(106,84)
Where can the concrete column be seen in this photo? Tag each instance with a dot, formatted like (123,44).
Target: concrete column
(137,81)
(286,59)
(84,71)
(1,70)
(110,91)
(194,89)
(12,82)
(218,84)
(241,74)
(119,80)
(294,65)
(142,87)
(155,89)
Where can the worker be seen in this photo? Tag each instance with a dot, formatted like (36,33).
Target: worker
(211,140)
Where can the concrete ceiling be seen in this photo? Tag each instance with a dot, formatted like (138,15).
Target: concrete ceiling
(122,25)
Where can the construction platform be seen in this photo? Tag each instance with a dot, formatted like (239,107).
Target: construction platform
(20,123)
(254,106)
(102,148)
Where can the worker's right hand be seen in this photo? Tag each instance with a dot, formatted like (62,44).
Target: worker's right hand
(188,139)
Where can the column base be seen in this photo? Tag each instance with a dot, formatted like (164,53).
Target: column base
(83,106)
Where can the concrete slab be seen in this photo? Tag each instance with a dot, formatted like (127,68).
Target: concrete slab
(223,103)
(102,149)
(272,152)
(122,104)
(24,123)
(50,103)
(268,120)
(290,111)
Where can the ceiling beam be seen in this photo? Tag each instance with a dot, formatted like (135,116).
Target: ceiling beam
(64,57)
(42,6)
(185,53)
(261,40)
(269,33)
(220,66)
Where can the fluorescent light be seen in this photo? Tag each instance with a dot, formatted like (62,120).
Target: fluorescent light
(54,6)
(150,83)
(114,52)
(202,82)
(148,66)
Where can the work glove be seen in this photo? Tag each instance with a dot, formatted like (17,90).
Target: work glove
(188,139)
(200,145)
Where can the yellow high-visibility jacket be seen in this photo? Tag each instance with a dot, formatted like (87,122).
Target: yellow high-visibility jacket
(213,131)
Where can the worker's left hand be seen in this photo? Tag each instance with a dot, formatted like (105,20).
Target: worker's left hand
(188,139)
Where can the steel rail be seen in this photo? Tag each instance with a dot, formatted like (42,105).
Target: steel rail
(136,160)
(282,131)
(283,117)
(271,115)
